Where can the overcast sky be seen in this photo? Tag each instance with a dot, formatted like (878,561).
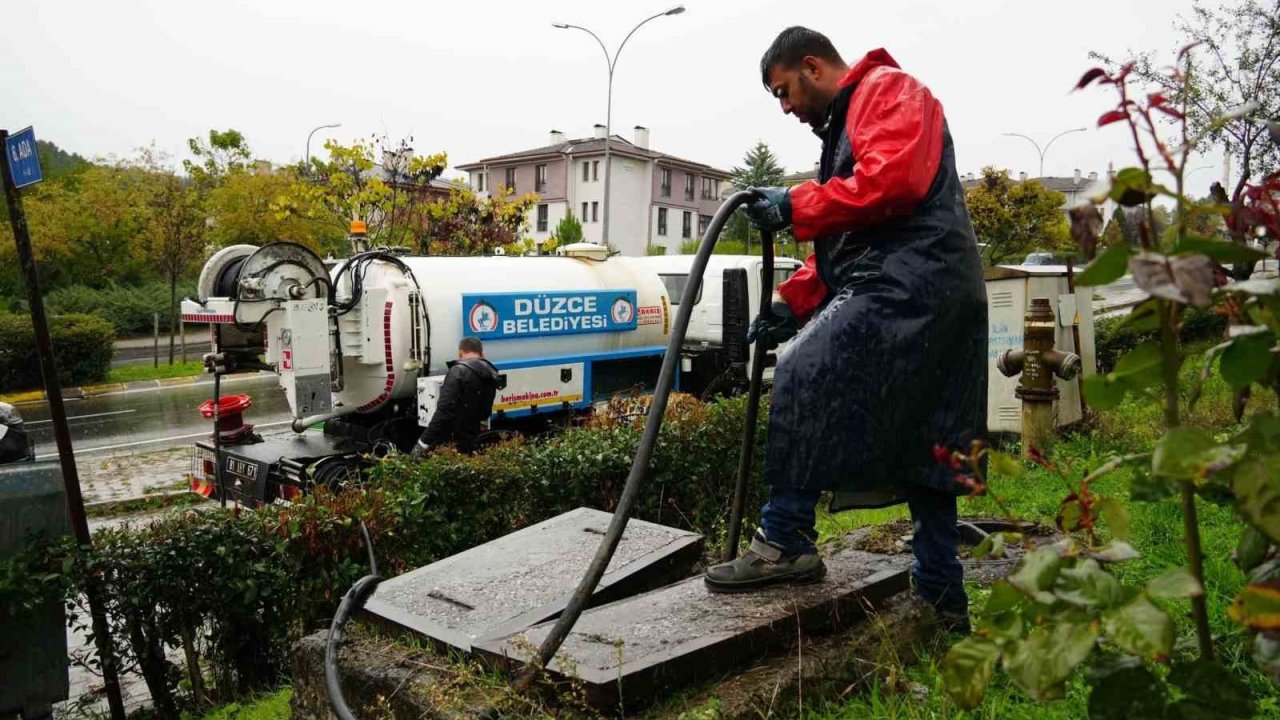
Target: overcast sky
(481,78)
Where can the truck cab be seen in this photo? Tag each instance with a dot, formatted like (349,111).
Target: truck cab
(716,355)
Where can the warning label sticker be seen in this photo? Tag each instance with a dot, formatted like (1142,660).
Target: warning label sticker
(649,315)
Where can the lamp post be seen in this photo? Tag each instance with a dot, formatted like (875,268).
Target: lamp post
(1046,145)
(306,159)
(612,64)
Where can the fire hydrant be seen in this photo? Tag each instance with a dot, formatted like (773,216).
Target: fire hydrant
(1038,361)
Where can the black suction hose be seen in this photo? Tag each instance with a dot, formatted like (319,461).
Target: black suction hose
(351,602)
(644,453)
(748,451)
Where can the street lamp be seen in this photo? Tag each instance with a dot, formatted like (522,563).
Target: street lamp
(306,159)
(612,63)
(1046,145)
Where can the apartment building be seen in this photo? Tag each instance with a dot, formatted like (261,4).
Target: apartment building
(656,199)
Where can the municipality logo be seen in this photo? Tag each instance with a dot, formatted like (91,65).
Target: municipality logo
(622,311)
(482,318)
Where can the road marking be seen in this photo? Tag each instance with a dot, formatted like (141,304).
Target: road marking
(82,417)
(85,451)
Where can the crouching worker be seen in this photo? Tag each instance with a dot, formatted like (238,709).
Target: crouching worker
(465,403)
(891,360)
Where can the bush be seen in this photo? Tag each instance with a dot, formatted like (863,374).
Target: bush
(83,345)
(450,502)
(236,590)
(129,308)
(1116,335)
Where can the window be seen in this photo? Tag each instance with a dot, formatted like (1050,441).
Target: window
(675,288)
(479,182)
(511,179)
(586,170)
(686,227)
(595,170)
(703,222)
(666,182)
(662,221)
(584,212)
(710,188)
(540,174)
(781,274)
(688,186)
(595,211)
(542,217)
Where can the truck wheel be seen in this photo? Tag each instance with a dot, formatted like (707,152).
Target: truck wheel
(489,438)
(337,473)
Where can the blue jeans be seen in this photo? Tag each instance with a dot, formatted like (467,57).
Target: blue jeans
(789,520)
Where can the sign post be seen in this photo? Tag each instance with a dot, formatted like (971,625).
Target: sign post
(20,166)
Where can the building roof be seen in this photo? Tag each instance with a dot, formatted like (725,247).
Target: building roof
(1066,184)
(800,177)
(379,171)
(593,146)
(1059,184)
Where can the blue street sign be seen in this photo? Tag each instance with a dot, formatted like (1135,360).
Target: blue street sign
(24,161)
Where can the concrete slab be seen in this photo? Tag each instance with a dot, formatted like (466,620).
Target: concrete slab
(682,633)
(525,578)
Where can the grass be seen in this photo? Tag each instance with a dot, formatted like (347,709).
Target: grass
(149,504)
(268,707)
(1156,531)
(143,371)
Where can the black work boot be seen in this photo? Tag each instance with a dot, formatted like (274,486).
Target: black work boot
(764,564)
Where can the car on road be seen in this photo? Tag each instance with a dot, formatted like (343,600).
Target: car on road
(1039,258)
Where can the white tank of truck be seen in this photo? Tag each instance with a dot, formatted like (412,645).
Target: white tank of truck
(531,313)
(564,331)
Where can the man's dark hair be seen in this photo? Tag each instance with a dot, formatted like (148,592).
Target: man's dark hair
(471,344)
(793,45)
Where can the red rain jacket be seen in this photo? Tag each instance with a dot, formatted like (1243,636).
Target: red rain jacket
(895,128)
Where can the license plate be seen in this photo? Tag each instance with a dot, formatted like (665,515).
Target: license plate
(246,470)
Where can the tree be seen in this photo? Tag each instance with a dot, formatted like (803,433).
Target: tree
(173,239)
(251,207)
(1116,231)
(568,230)
(85,227)
(1015,218)
(1239,67)
(760,168)
(408,178)
(391,198)
(56,162)
(225,153)
(464,224)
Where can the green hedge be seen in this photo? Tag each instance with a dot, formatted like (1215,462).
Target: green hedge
(239,588)
(82,343)
(130,308)
(451,501)
(1116,335)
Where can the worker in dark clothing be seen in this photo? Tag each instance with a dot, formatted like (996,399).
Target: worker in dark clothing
(465,403)
(891,360)
(14,443)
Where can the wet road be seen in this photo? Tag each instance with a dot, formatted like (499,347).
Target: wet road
(152,418)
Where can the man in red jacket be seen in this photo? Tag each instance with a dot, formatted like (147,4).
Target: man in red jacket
(891,360)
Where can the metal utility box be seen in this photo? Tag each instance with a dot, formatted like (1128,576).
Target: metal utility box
(1010,289)
(33,644)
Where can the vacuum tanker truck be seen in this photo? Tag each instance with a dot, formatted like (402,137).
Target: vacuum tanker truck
(361,347)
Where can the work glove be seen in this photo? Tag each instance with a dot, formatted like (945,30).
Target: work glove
(771,210)
(774,329)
